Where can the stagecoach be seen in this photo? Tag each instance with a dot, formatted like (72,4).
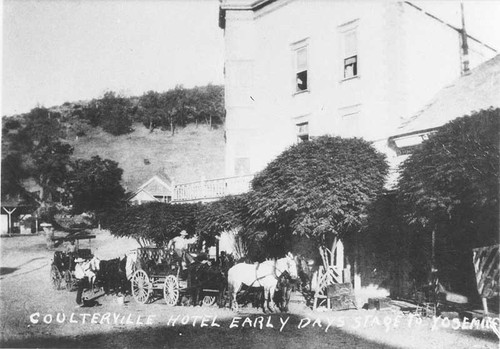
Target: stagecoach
(161,272)
(62,268)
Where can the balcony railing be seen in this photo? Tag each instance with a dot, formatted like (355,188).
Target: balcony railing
(212,189)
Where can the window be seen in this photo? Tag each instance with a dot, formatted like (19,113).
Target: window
(300,66)
(350,123)
(301,69)
(350,54)
(303,131)
(348,34)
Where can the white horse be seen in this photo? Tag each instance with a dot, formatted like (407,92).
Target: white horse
(264,275)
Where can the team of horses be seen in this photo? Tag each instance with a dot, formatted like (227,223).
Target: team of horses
(271,281)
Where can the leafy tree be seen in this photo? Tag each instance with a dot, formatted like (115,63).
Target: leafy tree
(90,112)
(455,172)
(318,190)
(42,128)
(11,124)
(50,168)
(36,151)
(450,186)
(153,223)
(13,173)
(115,114)
(94,185)
(218,216)
(152,110)
(75,122)
(177,103)
(208,104)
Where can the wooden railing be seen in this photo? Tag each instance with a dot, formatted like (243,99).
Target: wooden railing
(212,189)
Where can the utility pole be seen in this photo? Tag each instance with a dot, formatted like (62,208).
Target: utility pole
(465,47)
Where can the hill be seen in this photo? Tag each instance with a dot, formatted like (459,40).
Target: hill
(193,152)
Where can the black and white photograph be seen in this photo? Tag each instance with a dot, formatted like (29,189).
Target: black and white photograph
(250,174)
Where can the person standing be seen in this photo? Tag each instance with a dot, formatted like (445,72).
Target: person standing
(81,280)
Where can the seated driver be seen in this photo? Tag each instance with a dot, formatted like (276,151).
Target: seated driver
(180,243)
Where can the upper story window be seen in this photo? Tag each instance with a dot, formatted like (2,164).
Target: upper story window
(349,49)
(300,65)
(350,55)
(301,69)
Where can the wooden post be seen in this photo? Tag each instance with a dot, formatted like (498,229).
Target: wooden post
(339,255)
(9,220)
(485,305)
(357,276)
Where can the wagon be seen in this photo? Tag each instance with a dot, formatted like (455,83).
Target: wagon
(62,268)
(160,272)
(156,270)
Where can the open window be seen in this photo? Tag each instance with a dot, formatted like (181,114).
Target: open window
(300,66)
(301,69)
(349,49)
(350,55)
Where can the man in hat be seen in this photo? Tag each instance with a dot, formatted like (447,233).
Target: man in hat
(80,280)
(180,243)
(49,234)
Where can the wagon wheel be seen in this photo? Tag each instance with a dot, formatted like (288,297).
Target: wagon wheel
(209,300)
(69,281)
(171,290)
(55,277)
(141,286)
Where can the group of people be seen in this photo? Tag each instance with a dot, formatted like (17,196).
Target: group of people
(179,244)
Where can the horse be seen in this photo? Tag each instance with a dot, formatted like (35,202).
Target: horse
(112,275)
(265,274)
(284,290)
(204,274)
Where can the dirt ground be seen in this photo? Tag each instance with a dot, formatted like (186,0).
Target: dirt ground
(33,314)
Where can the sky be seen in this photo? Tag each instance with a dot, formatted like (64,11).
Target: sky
(58,51)
(69,50)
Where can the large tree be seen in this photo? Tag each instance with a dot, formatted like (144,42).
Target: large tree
(94,185)
(36,151)
(215,217)
(152,111)
(50,167)
(115,114)
(153,223)
(450,186)
(207,104)
(317,189)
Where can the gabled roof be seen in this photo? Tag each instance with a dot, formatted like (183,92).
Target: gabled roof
(480,89)
(158,185)
(162,180)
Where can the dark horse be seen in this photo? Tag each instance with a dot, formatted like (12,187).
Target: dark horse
(284,290)
(206,275)
(112,276)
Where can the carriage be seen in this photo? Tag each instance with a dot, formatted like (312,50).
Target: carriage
(161,272)
(62,268)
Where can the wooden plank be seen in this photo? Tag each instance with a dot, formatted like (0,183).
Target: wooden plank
(486,260)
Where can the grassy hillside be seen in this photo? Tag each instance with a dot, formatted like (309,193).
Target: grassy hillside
(192,153)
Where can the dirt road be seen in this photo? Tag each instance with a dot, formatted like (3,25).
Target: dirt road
(35,315)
